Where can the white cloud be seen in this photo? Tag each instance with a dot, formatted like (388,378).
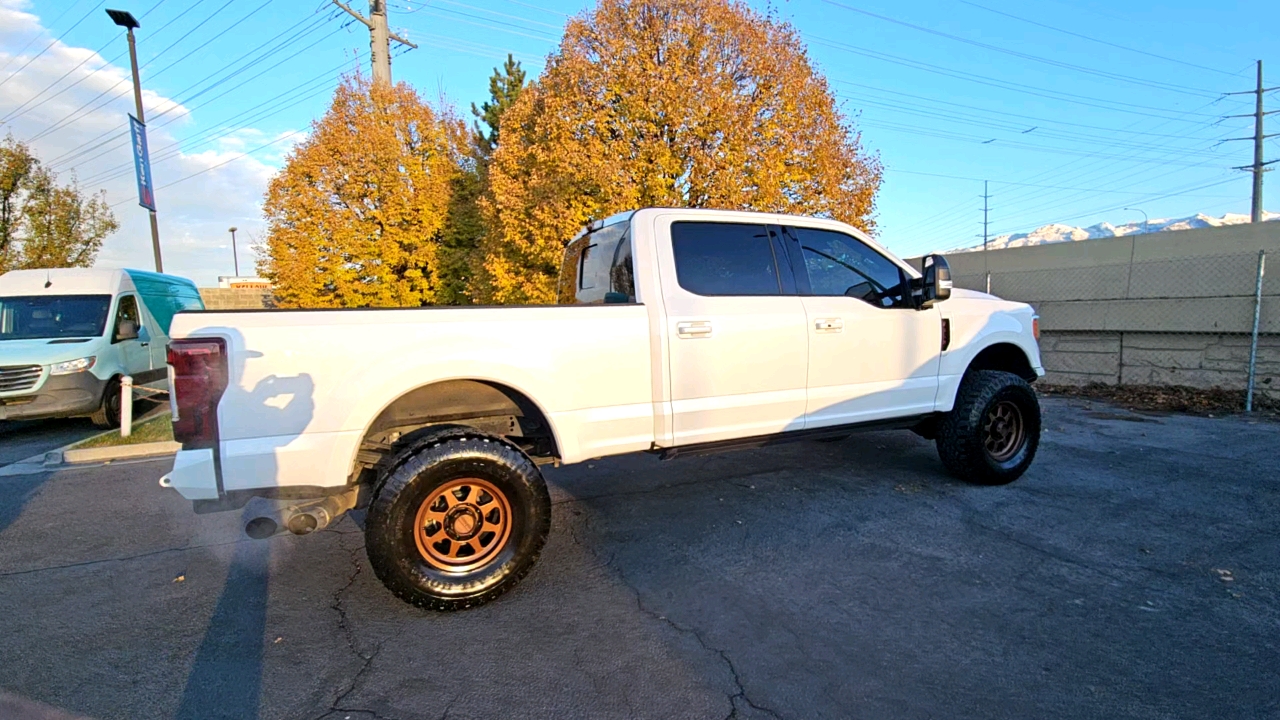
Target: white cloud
(193,214)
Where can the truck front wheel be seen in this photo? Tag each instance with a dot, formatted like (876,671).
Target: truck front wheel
(457,522)
(991,434)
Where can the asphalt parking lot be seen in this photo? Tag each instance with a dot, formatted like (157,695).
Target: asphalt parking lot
(1132,573)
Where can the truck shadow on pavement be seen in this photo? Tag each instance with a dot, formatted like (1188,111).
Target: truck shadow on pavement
(227,673)
(226,677)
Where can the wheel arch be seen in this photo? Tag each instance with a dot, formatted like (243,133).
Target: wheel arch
(489,406)
(1005,356)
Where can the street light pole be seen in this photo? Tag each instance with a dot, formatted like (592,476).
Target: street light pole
(128,22)
(1145,219)
(235,257)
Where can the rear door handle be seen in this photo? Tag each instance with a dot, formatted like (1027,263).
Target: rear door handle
(694,329)
(828,325)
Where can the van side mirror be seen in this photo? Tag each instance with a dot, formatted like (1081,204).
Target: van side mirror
(936,282)
(143,336)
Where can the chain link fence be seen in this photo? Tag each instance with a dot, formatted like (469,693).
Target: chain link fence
(1206,320)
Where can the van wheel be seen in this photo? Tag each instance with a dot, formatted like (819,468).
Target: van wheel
(991,435)
(108,413)
(457,522)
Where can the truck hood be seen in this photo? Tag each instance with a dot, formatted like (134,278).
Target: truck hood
(971,294)
(45,351)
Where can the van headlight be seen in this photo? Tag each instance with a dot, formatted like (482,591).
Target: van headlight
(72,366)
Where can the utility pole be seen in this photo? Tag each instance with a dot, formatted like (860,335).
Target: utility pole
(986,197)
(1258,167)
(127,21)
(380,37)
(985,208)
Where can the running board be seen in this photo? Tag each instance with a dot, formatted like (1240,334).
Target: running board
(757,441)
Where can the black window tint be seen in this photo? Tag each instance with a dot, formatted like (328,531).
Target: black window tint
(841,265)
(597,268)
(724,258)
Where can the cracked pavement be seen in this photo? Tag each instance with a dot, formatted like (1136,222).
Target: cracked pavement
(1130,574)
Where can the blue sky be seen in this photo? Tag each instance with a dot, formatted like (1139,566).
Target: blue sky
(1073,109)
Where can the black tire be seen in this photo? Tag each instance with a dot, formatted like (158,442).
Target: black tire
(443,459)
(978,441)
(108,413)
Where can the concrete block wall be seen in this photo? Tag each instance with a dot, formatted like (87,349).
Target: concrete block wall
(235,298)
(1200,360)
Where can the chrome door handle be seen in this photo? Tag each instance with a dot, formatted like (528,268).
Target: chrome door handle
(829,325)
(694,329)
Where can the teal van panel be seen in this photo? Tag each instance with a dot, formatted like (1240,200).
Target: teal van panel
(165,295)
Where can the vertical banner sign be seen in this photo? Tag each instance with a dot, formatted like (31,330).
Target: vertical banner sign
(142,164)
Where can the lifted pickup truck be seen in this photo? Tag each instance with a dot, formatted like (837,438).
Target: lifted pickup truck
(677,332)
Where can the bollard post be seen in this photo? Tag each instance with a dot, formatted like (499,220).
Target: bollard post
(126,405)
(988,282)
(1257,316)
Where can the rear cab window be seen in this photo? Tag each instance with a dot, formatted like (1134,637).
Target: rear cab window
(728,259)
(598,268)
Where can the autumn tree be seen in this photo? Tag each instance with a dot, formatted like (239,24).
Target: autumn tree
(688,103)
(44,224)
(356,216)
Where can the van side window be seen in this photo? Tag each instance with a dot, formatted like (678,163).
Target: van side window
(127,323)
(725,258)
(839,264)
(597,268)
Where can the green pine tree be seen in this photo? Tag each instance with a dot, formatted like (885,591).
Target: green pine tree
(465,227)
(505,86)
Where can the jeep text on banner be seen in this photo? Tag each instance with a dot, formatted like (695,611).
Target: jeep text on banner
(142,164)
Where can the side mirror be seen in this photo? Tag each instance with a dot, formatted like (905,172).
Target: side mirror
(937,281)
(143,336)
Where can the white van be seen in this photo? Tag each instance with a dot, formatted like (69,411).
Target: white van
(68,335)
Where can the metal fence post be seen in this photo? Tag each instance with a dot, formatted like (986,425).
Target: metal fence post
(1257,316)
(126,405)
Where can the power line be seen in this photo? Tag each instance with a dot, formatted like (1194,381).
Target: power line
(121,141)
(277,104)
(73,115)
(52,42)
(1083,100)
(36,36)
(11,116)
(1035,58)
(280,139)
(1096,40)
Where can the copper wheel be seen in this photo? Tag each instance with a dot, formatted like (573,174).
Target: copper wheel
(462,524)
(1003,431)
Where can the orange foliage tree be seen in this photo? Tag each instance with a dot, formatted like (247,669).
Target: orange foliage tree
(685,103)
(356,216)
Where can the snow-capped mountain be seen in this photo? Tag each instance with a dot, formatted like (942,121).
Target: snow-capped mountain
(1056,233)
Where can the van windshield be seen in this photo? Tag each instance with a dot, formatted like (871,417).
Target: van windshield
(53,316)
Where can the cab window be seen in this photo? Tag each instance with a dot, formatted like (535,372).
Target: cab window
(127,323)
(839,264)
(725,258)
(598,268)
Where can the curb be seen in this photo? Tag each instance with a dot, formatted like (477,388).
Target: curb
(119,452)
(55,459)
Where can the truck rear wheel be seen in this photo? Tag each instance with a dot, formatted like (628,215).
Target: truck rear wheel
(991,435)
(458,521)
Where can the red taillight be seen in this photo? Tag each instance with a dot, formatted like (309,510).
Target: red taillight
(199,379)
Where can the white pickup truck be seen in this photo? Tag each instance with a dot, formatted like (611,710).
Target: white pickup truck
(677,332)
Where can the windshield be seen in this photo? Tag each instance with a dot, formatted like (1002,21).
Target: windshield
(53,316)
